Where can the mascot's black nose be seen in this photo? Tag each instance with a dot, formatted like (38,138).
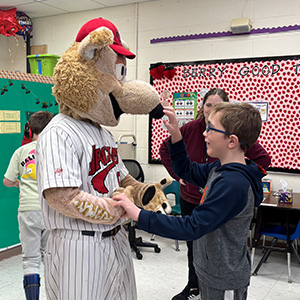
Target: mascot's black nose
(157,112)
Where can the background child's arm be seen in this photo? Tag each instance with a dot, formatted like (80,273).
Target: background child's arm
(10,183)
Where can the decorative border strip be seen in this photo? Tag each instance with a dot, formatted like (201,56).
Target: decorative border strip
(25,76)
(222,34)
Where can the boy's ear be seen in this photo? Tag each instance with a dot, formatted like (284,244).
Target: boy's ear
(233,141)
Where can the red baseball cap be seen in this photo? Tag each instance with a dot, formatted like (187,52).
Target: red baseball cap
(100,22)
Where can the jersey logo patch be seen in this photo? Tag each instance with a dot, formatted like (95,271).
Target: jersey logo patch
(29,164)
(103,159)
(58,171)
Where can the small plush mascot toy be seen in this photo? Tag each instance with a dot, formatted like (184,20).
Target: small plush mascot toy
(79,169)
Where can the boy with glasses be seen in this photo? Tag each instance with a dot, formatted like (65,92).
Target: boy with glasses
(219,225)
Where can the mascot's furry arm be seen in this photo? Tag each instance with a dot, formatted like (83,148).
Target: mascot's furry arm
(76,203)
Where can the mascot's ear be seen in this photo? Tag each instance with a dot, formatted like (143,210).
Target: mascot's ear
(149,194)
(97,39)
(151,190)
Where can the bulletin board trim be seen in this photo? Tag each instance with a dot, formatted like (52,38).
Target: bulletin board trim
(25,76)
(152,160)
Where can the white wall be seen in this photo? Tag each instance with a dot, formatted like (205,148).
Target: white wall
(138,24)
(3,52)
(12,53)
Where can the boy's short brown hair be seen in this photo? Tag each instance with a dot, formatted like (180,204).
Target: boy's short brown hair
(240,119)
(39,120)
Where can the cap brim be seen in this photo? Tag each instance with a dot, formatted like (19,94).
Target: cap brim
(121,50)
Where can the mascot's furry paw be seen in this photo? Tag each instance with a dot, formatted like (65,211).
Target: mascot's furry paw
(147,196)
(128,191)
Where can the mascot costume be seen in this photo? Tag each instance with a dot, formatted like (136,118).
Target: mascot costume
(78,168)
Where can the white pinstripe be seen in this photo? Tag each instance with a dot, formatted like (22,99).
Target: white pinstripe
(80,277)
(81,267)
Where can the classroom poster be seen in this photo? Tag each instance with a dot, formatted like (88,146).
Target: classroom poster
(272,84)
(185,105)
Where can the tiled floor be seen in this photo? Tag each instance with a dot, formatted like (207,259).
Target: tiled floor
(162,275)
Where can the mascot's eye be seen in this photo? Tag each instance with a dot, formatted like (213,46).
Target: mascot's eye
(121,71)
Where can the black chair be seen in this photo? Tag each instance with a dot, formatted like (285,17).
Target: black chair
(135,170)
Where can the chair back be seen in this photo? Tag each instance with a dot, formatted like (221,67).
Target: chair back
(279,231)
(135,169)
(296,234)
(174,188)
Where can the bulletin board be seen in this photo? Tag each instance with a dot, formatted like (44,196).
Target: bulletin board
(21,94)
(272,83)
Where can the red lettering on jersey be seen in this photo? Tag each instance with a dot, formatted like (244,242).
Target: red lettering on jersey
(114,155)
(94,164)
(109,158)
(105,155)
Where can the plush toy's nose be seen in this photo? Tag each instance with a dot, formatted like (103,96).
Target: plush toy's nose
(157,112)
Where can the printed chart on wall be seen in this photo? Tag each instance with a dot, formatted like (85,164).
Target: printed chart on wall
(271,84)
(185,105)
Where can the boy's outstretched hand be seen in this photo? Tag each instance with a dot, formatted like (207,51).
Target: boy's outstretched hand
(172,124)
(132,211)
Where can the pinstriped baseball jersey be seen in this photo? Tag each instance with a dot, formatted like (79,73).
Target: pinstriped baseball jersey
(72,153)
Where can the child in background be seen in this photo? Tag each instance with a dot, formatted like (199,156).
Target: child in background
(32,234)
(219,225)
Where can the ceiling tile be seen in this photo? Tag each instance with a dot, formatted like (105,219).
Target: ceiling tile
(35,9)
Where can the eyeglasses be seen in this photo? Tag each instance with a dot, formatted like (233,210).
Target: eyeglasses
(208,128)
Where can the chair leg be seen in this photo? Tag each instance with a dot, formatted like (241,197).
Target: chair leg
(264,242)
(177,245)
(268,254)
(261,262)
(250,239)
(289,267)
(265,256)
(296,253)
(296,244)
(252,257)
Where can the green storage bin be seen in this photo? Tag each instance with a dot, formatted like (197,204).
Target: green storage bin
(42,64)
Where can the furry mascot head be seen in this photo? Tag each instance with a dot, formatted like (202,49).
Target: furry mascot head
(89,83)
(90,87)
